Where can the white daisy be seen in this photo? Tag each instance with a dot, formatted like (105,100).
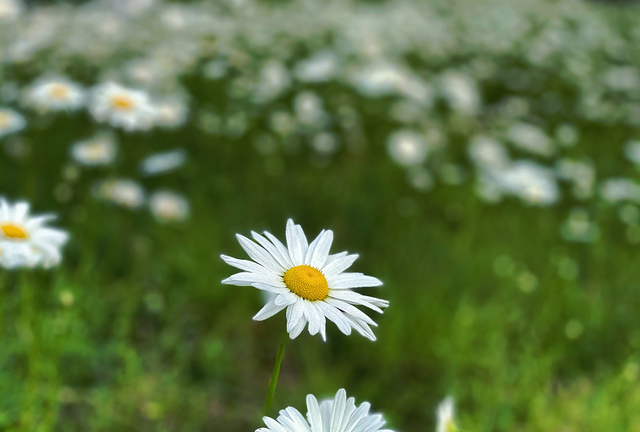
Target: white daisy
(25,241)
(171,112)
(445,416)
(335,415)
(123,107)
(55,94)
(98,150)
(169,206)
(124,192)
(162,162)
(407,148)
(309,283)
(10,10)
(10,121)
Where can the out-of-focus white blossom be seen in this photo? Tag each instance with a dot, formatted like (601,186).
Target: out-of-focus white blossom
(407,147)
(461,92)
(531,139)
(167,206)
(55,94)
(320,67)
(123,192)
(101,149)
(122,107)
(163,162)
(578,227)
(620,189)
(11,121)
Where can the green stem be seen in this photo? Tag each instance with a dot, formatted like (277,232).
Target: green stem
(274,377)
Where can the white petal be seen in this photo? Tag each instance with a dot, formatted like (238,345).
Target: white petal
(269,310)
(313,316)
(273,425)
(38,221)
(296,312)
(20,211)
(352,280)
(312,248)
(321,251)
(247,278)
(283,260)
(246,265)
(337,416)
(350,309)
(313,414)
(303,239)
(295,415)
(295,332)
(361,412)
(285,299)
(259,254)
(338,265)
(334,257)
(270,288)
(281,248)
(336,316)
(360,326)
(294,244)
(359,299)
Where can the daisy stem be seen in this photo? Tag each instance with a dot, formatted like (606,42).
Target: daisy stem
(274,376)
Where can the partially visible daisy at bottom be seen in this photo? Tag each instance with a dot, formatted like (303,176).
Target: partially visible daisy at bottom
(334,415)
(446,413)
(167,206)
(311,284)
(25,240)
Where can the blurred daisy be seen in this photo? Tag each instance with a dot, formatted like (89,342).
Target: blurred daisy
(407,148)
(445,416)
(10,10)
(309,283)
(121,106)
(26,241)
(126,193)
(99,150)
(169,206)
(55,94)
(10,121)
(171,112)
(163,162)
(334,415)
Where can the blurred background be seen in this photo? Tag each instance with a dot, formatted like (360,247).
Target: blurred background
(481,156)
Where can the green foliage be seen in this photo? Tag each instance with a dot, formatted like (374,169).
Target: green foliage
(135,332)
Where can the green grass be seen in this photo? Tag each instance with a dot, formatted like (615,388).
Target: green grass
(135,332)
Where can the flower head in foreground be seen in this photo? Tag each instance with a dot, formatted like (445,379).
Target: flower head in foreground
(445,416)
(25,241)
(309,283)
(336,415)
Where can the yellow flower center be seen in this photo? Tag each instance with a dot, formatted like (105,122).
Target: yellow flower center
(5,120)
(307,282)
(122,102)
(58,91)
(13,231)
